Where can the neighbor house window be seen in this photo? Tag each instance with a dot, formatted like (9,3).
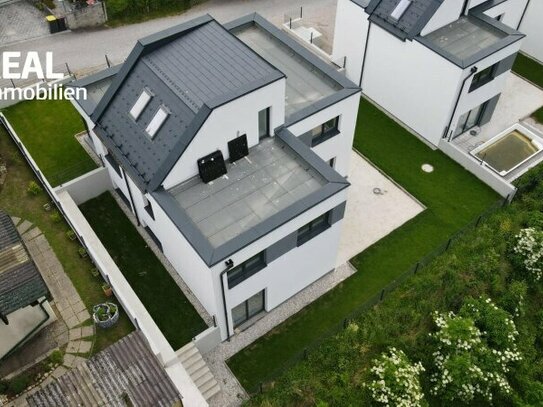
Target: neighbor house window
(483,77)
(470,119)
(313,228)
(248,309)
(140,104)
(323,132)
(157,121)
(400,9)
(264,123)
(246,270)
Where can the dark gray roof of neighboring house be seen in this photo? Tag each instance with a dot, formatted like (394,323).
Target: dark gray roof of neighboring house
(190,69)
(125,370)
(20,281)
(410,23)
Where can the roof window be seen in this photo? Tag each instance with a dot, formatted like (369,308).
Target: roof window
(140,104)
(158,120)
(400,9)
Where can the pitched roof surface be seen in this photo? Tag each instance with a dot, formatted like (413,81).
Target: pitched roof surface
(189,69)
(20,282)
(126,370)
(410,24)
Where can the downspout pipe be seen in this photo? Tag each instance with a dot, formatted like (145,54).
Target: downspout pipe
(224,303)
(472,72)
(365,53)
(523,14)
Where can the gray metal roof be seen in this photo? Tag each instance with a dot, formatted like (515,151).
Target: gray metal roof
(410,23)
(20,281)
(96,85)
(126,370)
(190,69)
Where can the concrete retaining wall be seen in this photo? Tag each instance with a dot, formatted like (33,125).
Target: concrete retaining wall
(87,186)
(494,181)
(208,339)
(90,16)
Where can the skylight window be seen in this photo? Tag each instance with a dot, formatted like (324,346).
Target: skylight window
(140,104)
(400,9)
(157,121)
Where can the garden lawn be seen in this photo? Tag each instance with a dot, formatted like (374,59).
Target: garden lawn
(529,69)
(16,201)
(453,198)
(538,115)
(47,129)
(163,299)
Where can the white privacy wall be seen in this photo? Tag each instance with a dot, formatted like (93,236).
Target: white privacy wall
(291,272)
(228,122)
(512,12)
(532,26)
(339,146)
(350,37)
(412,82)
(448,12)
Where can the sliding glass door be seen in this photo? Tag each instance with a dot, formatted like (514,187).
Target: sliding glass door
(248,309)
(470,119)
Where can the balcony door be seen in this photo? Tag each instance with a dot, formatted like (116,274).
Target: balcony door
(248,309)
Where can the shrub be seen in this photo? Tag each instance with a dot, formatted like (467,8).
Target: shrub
(513,299)
(396,380)
(19,384)
(56,357)
(529,246)
(33,188)
(55,217)
(475,350)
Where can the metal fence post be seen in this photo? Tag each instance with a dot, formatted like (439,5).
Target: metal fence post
(382,294)
(261,387)
(290,23)
(345,323)
(301,12)
(68,68)
(305,353)
(448,244)
(417,268)
(478,220)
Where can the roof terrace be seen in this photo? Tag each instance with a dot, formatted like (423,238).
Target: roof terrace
(256,187)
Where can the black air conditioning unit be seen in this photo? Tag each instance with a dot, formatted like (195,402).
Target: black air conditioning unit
(211,166)
(238,148)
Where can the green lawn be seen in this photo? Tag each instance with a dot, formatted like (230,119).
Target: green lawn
(538,115)
(47,129)
(530,69)
(17,202)
(453,198)
(171,310)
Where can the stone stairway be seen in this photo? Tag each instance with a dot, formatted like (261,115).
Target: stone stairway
(196,367)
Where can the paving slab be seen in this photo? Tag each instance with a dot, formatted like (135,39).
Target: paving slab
(85,346)
(78,307)
(59,371)
(21,21)
(23,227)
(75,333)
(72,322)
(15,220)
(32,234)
(73,347)
(87,331)
(83,316)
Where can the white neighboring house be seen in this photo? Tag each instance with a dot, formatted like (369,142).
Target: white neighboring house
(531,24)
(438,66)
(230,145)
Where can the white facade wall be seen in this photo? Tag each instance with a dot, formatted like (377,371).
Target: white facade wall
(470,100)
(532,26)
(228,122)
(412,82)
(350,37)
(448,12)
(289,273)
(512,12)
(339,146)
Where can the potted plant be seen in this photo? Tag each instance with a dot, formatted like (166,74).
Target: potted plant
(105,315)
(107,290)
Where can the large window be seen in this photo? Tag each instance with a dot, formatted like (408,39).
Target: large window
(246,270)
(470,119)
(324,131)
(482,77)
(248,309)
(264,123)
(313,228)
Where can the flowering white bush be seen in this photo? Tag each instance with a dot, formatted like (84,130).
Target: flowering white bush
(530,247)
(396,380)
(474,352)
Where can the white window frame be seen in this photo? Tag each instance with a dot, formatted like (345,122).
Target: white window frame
(142,102)
(157,121)
(400,9)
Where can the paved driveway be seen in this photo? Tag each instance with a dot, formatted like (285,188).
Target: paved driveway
(21,21)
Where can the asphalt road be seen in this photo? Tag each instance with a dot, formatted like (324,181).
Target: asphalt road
(83,50)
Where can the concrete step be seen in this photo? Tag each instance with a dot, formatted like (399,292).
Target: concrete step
(203,378)
(199,372)
(210,389)
(191,360)
(195,367)
(186,352)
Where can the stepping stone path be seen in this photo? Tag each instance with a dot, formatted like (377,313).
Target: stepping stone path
(80,327)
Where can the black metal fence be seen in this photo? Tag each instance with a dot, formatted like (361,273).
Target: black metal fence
(378,296)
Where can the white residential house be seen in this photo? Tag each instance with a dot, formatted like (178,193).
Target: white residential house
(438,66)
(230,145)
(531,24)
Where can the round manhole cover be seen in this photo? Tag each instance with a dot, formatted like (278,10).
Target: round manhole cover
(427,168)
